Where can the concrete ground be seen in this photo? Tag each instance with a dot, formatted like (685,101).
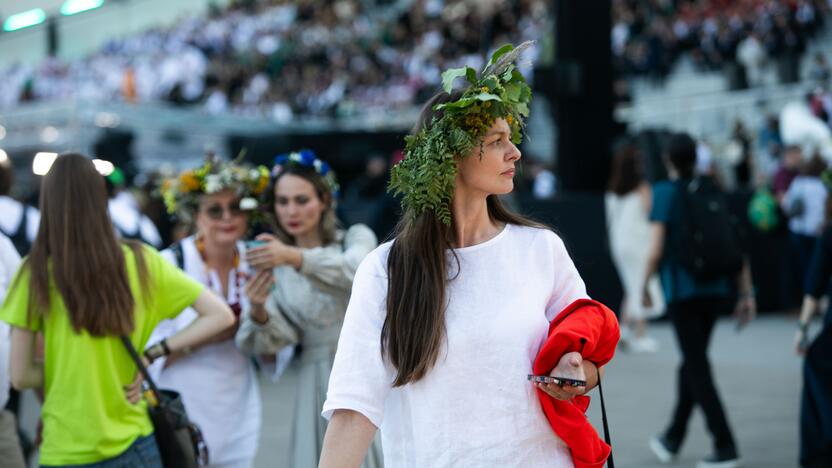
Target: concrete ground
(757,373)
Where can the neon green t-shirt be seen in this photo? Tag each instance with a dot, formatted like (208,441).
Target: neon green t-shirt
(86,415)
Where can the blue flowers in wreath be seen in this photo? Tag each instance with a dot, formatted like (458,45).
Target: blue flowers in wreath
(307,158)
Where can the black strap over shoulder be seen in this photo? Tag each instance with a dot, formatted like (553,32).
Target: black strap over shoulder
(610,461)
(176,248)
(19,238)
(138,360)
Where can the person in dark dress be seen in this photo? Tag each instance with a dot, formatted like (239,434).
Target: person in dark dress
(816,398)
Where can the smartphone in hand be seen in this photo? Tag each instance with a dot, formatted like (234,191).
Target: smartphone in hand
(253,244)
(557,380)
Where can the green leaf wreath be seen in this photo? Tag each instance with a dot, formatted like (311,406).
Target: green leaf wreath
(427,174)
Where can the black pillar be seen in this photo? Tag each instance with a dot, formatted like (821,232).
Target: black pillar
(584,93)
(52,43)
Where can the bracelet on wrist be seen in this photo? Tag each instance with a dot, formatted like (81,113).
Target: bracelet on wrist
(165,348)
(156,351)
(152,353)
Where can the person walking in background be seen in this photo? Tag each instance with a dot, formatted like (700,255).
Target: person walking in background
(805,204)
(10,450)
(627,203)
(788,169)
(694,300)
(816,399)
(84,290)
(217,380)
(300,291)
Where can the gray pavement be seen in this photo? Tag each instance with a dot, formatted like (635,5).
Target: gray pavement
(758,375)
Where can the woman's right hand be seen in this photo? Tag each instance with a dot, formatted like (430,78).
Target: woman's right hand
(259,288)
(801,343)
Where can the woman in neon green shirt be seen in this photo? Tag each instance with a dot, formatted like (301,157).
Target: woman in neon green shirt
(83,289)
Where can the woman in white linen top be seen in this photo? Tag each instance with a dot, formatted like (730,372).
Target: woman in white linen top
(473,405)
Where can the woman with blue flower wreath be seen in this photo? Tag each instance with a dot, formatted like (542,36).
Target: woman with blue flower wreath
(299,293)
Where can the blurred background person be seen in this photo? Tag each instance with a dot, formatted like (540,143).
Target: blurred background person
(312,262)
(805,205)
(693,305)
(19,221)
(789,168)
(816,399)
(628,202)
(129,221)
(11,451)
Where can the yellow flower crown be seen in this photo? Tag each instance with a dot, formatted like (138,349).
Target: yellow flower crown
(181,193)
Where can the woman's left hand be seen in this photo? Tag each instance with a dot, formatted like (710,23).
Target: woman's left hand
(270,255)
(569,366)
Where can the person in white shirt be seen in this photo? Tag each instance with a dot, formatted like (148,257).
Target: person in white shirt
(444,322)
(805,205)
(19,222)
(124,211)
(10,451)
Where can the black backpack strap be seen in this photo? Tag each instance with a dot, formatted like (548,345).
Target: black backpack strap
(20,238)
(176,248)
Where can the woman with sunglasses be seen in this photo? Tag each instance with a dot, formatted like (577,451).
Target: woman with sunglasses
(216,380)
(301,289)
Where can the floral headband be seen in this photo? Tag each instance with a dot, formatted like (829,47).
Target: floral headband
(307,158)
(427,175)
(181,193)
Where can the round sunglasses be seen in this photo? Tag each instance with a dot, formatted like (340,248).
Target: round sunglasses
(217,211)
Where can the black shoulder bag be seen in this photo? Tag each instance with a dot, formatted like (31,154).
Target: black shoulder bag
(180,441)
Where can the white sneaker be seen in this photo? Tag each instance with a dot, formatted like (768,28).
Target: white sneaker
(626,338)
(661,451)
(645,344)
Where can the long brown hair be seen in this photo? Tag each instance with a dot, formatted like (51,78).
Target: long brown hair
(414,328)
(77,242)
(328,225)
(626,174)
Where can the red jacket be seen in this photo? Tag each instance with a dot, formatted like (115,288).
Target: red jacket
(590,328)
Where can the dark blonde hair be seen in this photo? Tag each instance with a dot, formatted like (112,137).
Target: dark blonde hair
(328,225)
(76,248)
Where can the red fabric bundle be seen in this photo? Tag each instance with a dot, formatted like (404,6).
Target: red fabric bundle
(590,328)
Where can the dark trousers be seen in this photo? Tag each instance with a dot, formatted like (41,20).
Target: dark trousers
(816,401)
(801,248)
(693,321)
